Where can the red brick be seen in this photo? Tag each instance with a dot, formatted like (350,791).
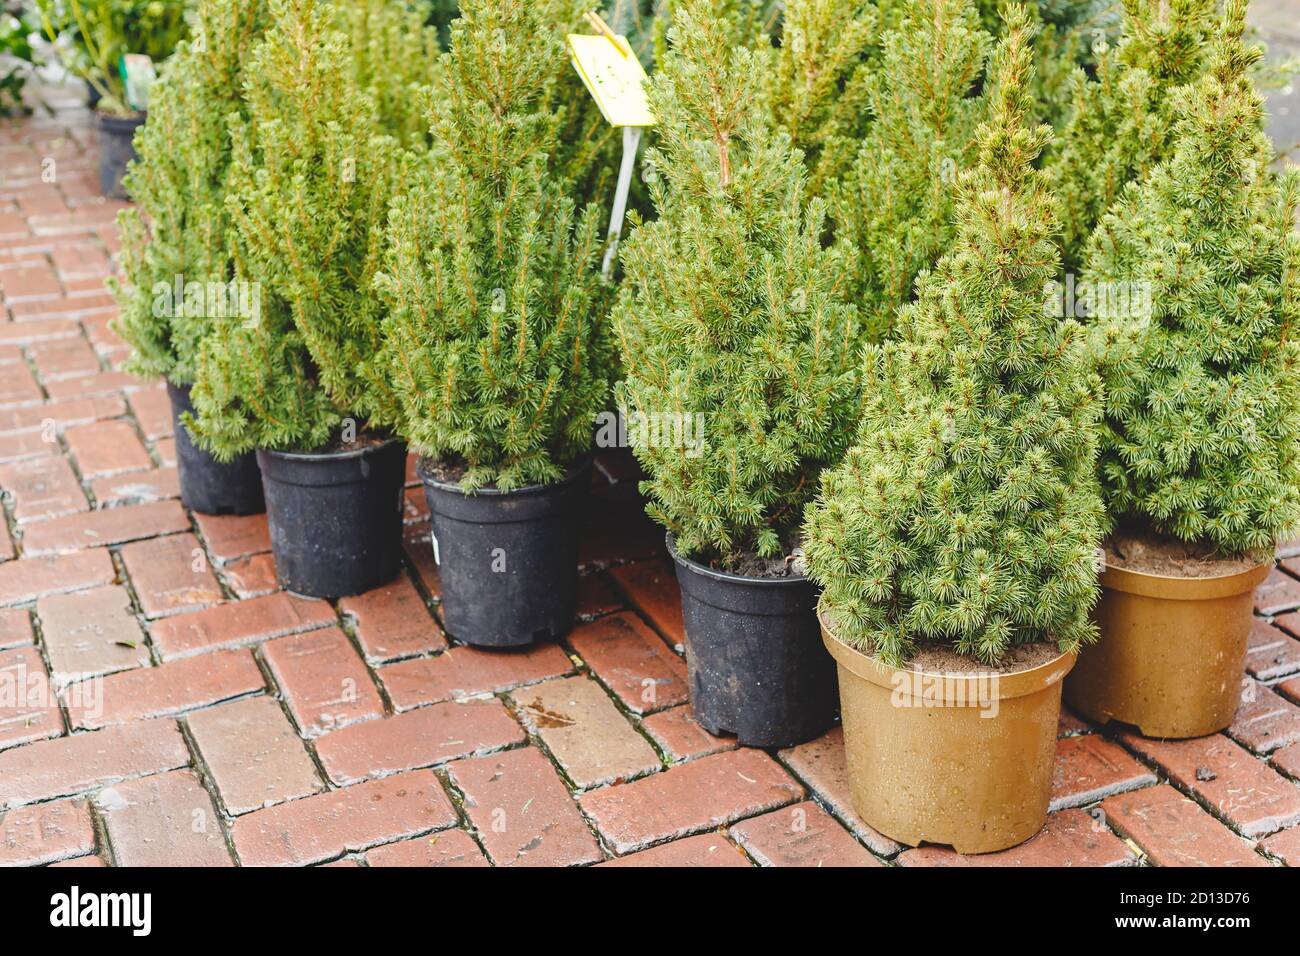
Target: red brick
(341,821)
(80,260)
(36,330)
(81,762)
(392,621)
(323,679)
(466,671)
(652,587)
(1285,846)
(596,598)
(522,810)
(18,447)
(91,632)
(153,412)
(448,848)
(107,448)
(1174,831)
(51,418)
(114,526)
(681,737)
(15,628)
(87,861)
(1287,760)
(583,730)
(633,662)
(1070,724)
(804,835)
(171,575)
(252,576)
(415,508)
(234,536)
(1291,689)
(700,795)
(253,754)
(96,383)
(28,283)
(1070,838)
(1278,593)
(1264,721)
(703,850)
(164,449)
(17,385)
(169,689)
(29,578)
(7,550)
(418,738)
(238,623)
(137,487)
(167,820)
(60,358)
(29,709)
(42,488)
(1243,790)
(415,542)
(1272,653)
(1089,768)
(31,836)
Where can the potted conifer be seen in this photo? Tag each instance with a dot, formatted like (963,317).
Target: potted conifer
(176,255)
(740,387)
(956,542)
(314,168)
(91,37)
(496,345)
(1200,453)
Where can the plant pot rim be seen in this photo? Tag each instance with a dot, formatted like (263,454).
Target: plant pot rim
(1174,588)
(329,455)
(955,688)
(800,580)
(580,467)
(131,118)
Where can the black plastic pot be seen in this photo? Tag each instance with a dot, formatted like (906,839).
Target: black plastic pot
(754,653)
(507,561)
(209,486)
(115,151)
(335,517)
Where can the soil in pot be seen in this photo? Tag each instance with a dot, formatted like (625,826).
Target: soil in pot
(209,486)
(335,516)
(754,653)
(961,757)
(1174,621)
(507,560)
(116,150)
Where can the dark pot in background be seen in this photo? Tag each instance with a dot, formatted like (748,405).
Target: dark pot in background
(335,517)
(507,561)
(93,96)
(758,667)
(115,151)
(207,485)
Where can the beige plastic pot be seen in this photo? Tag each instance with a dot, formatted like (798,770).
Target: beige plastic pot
(963,760)
(1172,652)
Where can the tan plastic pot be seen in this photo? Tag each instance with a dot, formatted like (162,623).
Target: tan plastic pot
(1172,652)
(963,760)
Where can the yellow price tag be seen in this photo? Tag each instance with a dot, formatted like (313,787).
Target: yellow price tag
(614,77)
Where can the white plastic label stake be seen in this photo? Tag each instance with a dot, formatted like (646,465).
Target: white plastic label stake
(631,143)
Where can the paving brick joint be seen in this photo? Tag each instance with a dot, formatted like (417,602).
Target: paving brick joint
(178,707)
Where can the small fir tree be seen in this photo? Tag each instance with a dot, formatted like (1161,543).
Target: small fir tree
(1121,121)
(497,344)
(179,231)
(312,176)
(729,313)
(967,513)
(894,204)
(1202,428)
